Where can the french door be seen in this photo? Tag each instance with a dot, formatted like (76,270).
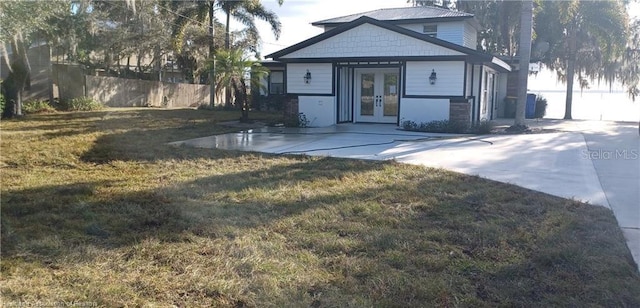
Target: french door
(377,95)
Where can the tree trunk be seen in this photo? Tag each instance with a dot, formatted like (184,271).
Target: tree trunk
(18,77)
(212,57)
(157,57)
(526,22)
(569,99)
(571,67)
(227,35)
(242,93)
(128,65)
(227,45)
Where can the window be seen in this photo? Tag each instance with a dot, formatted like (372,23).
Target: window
(430,30)
(276,83)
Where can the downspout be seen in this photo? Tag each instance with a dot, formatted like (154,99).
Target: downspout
(473,105)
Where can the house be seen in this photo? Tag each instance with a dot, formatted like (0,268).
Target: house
(389,66)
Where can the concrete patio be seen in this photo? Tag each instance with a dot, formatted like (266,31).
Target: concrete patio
(591,161)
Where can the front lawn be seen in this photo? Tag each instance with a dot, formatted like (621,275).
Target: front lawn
(97,208)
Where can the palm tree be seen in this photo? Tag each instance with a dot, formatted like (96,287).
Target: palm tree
(200,12)
(246,12)
(526,23)
(232,69)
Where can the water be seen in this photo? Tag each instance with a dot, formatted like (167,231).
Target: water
(598,102)
(592,105)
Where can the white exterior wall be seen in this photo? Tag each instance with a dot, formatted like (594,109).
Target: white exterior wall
(368,40)
(319,110)
(450,80)
(422,110)
(449,31)
(452,32)
(470,39)
(321,78)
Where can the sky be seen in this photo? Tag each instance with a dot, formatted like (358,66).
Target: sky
(296,17)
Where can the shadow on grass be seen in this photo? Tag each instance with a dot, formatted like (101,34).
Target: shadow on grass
(386,234)
(82,212)
(449,235)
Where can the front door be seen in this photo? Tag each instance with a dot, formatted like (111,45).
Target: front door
(377,95)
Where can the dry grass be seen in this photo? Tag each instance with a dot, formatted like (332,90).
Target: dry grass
(97,208)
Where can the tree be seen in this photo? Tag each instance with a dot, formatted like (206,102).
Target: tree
(500,21)
(447,4)
(20,24)
(629,71)
(232,69)
(524,53)
(585,37)
(199,13)
(246,12)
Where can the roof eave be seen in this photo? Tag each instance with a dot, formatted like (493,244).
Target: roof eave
(397,22)
(504,65)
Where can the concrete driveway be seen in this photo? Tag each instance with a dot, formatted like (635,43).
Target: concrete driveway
(591,161)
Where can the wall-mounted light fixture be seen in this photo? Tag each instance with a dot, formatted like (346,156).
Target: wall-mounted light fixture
(433,77)
(307,77)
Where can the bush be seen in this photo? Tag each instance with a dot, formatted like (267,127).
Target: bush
(36,106)
(484,127)
(299,121)
(81,104)
(541,107)
(443,126)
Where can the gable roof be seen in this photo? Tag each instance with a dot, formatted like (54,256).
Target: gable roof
(476,55)
(401,16)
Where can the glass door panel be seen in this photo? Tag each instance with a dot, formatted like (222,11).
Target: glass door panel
(367,93)
(390,99)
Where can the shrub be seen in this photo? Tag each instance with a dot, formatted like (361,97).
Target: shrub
(541,107)
(484,127)
(81,104)
(299,121)
(36,106)
(443,126)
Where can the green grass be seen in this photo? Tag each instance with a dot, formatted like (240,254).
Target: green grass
(96,207)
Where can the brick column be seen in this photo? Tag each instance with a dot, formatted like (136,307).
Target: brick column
(460,111)
(291,111)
